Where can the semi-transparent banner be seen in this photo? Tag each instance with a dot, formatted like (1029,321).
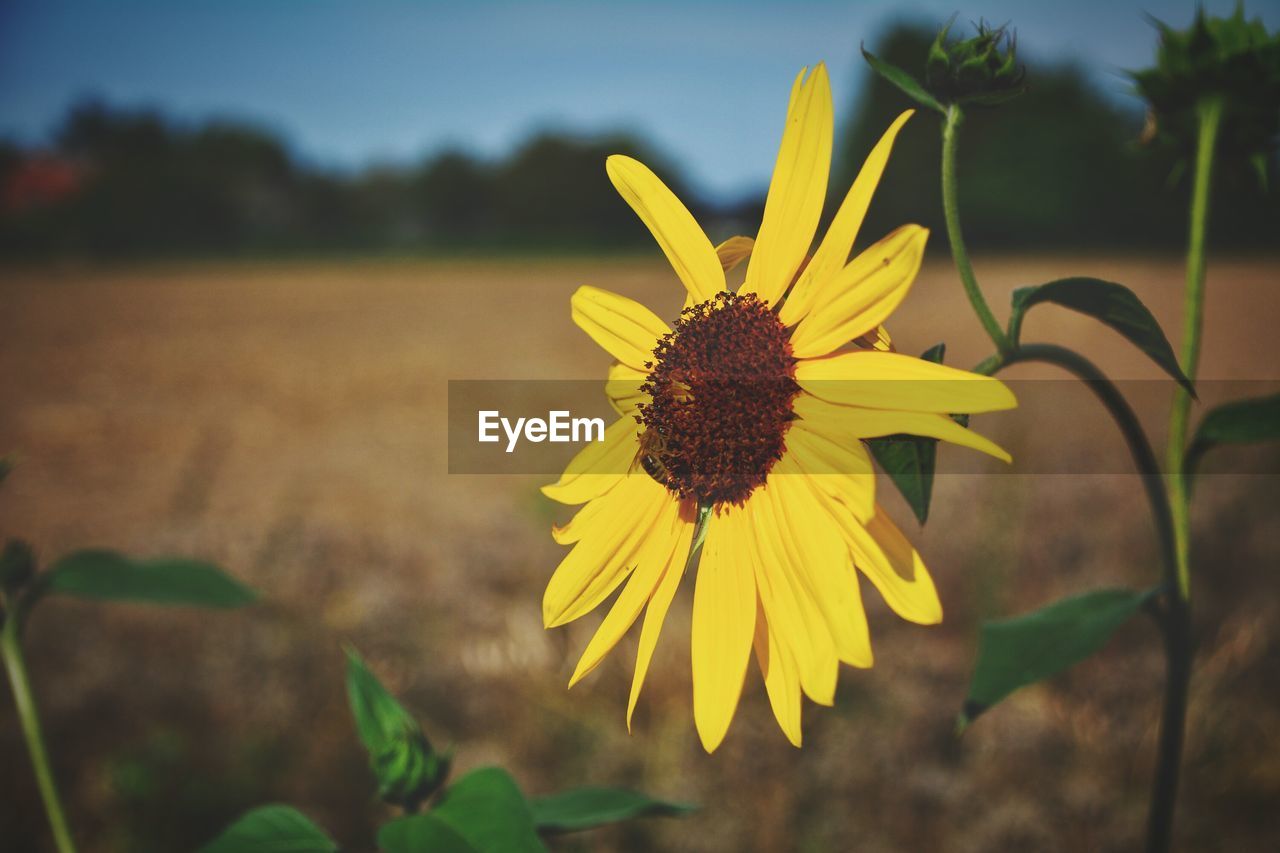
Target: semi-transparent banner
(501,426)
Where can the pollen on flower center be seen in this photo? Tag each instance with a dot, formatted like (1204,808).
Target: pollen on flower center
(720,387)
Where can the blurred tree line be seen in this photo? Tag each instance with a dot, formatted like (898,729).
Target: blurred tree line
(127,183)
(1058,167)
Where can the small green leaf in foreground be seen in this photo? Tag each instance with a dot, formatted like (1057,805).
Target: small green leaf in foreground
(408,770)
(485,811)
(272,829)
(1013,653)
(1241,422)
(109,576)
(1114,305)
(584,808)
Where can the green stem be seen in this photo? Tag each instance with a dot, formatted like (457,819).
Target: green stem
(951,211)
(29,717)
(1209,113)
(1178,646)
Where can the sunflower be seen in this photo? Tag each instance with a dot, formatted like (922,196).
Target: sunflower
(739,452)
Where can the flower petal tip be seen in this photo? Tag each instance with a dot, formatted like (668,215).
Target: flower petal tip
(711,734)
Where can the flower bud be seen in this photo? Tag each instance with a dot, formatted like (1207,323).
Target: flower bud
(1230,61)
(982,70)
(408,769)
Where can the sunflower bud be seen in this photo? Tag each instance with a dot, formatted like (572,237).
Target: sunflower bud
(982,70)
(1232,62)
(407,768)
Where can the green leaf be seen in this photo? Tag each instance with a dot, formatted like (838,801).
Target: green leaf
(407,769)
(584,808)
(903,81)
(1240,422)
(485,811)
(1113,304)
(1013,653)
(910,460)
(272,829)
(109,576)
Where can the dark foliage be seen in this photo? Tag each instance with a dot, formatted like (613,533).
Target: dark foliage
(1058,167)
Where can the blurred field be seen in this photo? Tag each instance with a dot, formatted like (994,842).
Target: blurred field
(287,420)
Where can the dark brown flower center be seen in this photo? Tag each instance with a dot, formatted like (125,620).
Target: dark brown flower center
(720,388)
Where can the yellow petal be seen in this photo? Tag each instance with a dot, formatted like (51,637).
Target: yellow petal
(599,466)
(890,380)
(672,225)
(842,469)
(781,679)
(808,531)
(724,616)
(656,613)
(833,252)
(734,251)
(797,191)
(877,340)
(604,556)
(885,556)
(623,388)
(654,558)
(845,423)
(626,330)
(583,520)
(862,295)
(788,601)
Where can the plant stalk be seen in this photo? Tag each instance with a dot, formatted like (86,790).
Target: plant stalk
(1209,113)
(951,212)
(1178,645)
(29,717)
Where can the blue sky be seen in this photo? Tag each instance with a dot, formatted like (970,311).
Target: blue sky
(350,84)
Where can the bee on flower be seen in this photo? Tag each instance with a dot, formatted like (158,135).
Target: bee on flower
(738,457)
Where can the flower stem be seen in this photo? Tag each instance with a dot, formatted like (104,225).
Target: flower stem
(951,212)
(1177,623)
(1209,113)
(29,717)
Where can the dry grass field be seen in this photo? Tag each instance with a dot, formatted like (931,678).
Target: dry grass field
(288,421)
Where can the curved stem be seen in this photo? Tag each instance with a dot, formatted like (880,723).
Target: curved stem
(1144,457)
(29,717)
(951,212)
(1209,113)
(1175,622)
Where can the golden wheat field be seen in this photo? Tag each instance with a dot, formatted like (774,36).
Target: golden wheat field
(288,420)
